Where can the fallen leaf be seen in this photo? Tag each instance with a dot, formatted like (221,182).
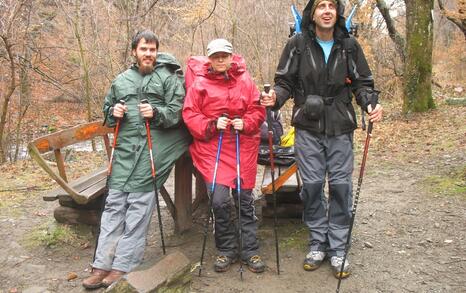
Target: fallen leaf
(71,276)
(85,245)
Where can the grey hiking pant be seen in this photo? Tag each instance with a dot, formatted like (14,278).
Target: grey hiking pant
(123,230)
(318,156)
(226,234)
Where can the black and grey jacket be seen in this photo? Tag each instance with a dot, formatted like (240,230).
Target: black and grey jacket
(321,92)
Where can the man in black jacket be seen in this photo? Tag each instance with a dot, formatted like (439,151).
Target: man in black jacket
(321,69)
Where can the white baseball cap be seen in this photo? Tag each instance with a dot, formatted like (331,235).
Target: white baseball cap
(219,45)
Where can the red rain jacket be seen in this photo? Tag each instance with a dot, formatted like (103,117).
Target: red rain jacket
(210,95)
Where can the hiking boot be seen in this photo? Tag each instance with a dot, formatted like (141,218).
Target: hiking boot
(223,262)
(313,260)
(255,264)
(335,262)
(113,277)
(95,280)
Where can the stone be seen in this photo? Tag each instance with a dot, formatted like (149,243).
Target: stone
(172,273)
(368,245)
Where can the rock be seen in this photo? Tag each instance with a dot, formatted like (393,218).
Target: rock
(437,225)
(448,241)
(171,274)
(459,89)
(368,245)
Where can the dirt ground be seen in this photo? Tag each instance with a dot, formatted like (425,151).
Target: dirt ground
(409,235)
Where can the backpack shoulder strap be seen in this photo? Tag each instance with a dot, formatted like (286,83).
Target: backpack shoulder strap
(348,46)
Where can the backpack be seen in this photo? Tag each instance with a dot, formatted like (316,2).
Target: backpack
(277,129)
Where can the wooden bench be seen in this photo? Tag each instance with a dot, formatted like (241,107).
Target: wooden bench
(80,199)
(287,186)
(286,179)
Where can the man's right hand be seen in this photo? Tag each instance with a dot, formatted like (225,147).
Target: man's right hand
(268,99)
(119,110)
(222,123)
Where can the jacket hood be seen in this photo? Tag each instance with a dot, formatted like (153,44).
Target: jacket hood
(308,25)
(200,66)
(167,59)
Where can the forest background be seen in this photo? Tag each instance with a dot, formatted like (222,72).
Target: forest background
(54,53)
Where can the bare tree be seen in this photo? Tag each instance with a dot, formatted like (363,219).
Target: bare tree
(392,31)
(24,79)
(9,23)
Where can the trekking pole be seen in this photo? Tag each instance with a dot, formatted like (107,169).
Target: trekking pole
(272,174)
(152,165)
(238,186)
(373,101)
(211,197)
(109,172)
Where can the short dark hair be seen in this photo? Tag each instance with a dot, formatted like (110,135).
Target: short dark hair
(147,35)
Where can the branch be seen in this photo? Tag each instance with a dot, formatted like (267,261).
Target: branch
(210,14)
(460,23)
(392,32)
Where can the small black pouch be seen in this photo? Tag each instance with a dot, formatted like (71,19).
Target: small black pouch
(313,107)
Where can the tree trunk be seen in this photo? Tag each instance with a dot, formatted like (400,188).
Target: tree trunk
(24,81)
(84,66)
(418,66)
(6,98)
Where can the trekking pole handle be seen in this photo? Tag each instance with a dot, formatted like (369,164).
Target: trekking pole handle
(269,111)
(267,88)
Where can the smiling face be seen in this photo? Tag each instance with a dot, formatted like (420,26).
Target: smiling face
(220,61)
(145,54)
(325,15)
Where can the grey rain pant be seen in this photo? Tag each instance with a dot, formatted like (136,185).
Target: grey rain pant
(123,230)
(318,156)
(226,235)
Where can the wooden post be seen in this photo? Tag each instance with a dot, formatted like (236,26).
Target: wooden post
(201,191)
(183,193)
(107,145)
(60,164)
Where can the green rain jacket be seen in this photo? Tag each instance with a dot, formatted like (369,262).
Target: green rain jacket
(163,88)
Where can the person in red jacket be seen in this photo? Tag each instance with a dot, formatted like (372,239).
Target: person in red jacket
(222,97)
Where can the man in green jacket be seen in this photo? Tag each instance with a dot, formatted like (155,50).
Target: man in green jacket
(155,77)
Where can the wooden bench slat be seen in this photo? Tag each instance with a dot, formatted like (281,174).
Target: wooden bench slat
(95,190)
(80,185)
(63,138)
(286,179)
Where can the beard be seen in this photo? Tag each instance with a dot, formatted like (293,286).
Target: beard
(145,69)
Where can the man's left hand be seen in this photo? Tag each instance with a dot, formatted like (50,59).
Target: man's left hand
(376,114)
(146,110)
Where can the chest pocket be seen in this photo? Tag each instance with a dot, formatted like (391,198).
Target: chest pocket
(154,92)
(238,102)
(125,93)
